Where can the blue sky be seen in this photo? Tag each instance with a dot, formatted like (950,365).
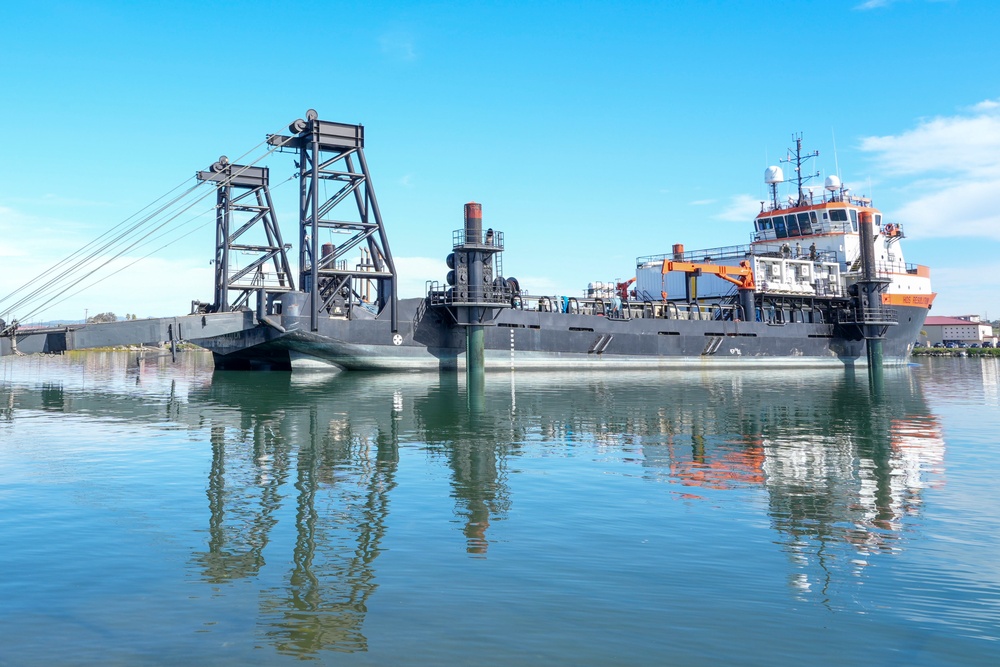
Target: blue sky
(592,133)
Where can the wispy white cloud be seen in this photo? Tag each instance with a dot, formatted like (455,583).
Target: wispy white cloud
(966,144)
(546,285)
(702,202)
(874,4)
(51,201)
(962,290)
(986,106)
(48,236)
(59,200)
(741,208)
(414,272)
(878,4)
(7,224)
(398,45)
(33,249)
(960,209)
(954,162)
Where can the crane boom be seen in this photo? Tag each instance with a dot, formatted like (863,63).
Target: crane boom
(741,276)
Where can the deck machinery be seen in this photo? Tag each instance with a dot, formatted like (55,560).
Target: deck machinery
(329,283)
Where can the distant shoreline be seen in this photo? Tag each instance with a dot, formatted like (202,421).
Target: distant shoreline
(956,352)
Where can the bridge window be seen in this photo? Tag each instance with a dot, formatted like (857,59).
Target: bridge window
(804,226)
(838,215)
(791,225)
(779,227)
(878,220)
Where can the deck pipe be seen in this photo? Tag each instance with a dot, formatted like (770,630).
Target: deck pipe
(748,304)
(871,300)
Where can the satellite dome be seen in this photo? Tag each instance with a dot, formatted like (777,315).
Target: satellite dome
(773,175)
(832,183)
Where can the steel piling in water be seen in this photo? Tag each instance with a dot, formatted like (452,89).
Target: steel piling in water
(870,297)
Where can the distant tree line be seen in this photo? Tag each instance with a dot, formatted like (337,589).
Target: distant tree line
(100,318)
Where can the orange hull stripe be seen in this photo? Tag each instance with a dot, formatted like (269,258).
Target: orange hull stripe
(919,300)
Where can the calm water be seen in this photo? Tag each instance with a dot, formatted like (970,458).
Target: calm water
(170,515)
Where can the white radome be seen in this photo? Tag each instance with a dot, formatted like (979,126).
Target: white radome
(773,175)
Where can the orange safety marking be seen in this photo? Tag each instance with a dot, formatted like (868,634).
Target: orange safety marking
(919,300)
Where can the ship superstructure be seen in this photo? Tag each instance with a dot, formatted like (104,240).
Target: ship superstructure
(805,254)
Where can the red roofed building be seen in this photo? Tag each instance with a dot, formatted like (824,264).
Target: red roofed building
(961,329)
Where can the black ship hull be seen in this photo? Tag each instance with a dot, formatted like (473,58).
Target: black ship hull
(426,339)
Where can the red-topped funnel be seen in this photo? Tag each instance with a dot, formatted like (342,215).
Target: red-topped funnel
(473,222)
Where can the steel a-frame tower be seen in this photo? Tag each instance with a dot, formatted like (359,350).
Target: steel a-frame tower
(333,153)
(243,199)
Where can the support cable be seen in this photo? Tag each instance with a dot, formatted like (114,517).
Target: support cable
(122,237)
(59,298)
(80,250)
(66,274)
(56,281)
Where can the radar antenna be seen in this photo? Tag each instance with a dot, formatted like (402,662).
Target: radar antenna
(773,177)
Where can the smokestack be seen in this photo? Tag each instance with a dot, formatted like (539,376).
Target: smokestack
(473,222)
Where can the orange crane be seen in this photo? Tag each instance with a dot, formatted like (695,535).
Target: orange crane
(622,288)
(741,276)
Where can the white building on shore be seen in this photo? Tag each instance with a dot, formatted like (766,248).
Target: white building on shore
(960,329)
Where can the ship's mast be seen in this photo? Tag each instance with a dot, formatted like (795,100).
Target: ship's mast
(798,160)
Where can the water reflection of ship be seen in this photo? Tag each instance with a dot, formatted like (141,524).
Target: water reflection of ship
(343,470)
(839,466)
(840,471)
(840,490)
(476,445)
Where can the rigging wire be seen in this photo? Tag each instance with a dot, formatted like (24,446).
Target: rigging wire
(148,255)
(58,281)
(137,243)
(53,283)
(80,250)
(144,241)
